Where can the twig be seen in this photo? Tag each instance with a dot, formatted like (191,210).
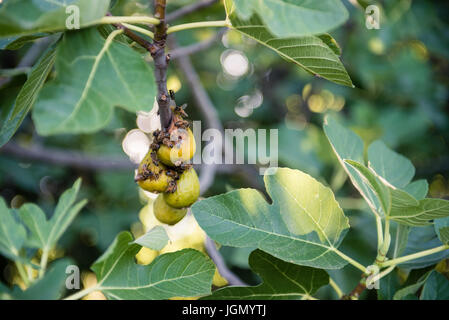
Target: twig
(189,9)
(197,47)
(225,272)
(136,38)
(358,290)
(161,64)
(68,158)
(82,161)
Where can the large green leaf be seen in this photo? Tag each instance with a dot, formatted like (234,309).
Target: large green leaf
(393,167)
(303,225)
(349,146)
(12,233)
(184,273)
(93,76)
(50,287)
(24,17)
(155,239)
(281,280)
(315,54)
(436,287)
(27,95)
(288,18)
(45,233)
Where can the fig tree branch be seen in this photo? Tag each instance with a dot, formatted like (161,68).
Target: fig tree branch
(161,64)
(224,271)
(67,158)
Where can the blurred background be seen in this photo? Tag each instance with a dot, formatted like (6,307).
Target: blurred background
(401,74)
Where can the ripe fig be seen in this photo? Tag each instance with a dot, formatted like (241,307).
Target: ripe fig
(167,214)
(152,177)
(183,149)
(187,190)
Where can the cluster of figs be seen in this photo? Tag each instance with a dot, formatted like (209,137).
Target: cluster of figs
(166,170)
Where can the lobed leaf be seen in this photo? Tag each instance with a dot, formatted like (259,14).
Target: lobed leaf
(93,76)
(46,233)
(304,224)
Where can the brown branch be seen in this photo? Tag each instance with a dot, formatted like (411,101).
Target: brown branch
(224,271)
(161,64)
(357,291)
(80,160)
(189,9)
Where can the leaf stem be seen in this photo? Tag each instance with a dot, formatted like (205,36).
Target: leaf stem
(44,261)
(22,273)
(383,250)
(380,236)
(202,24)
(336,288)
(382,274)
(351,261)
(129,19)
(78,295)
(139,29)
(394,262)
(161,60)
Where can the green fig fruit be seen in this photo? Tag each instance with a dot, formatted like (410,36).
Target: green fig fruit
(183,149)
(151,177)
(167,214)
(187,190)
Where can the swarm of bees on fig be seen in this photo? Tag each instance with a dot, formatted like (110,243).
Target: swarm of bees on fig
(166,169)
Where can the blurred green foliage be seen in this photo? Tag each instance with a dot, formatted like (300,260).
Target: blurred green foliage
(401,74)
